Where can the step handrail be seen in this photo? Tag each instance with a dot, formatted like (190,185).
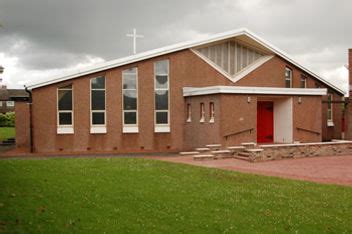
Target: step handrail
(308,130)
(238,132)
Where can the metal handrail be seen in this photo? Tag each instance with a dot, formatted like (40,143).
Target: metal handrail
(238,132)
(308,130)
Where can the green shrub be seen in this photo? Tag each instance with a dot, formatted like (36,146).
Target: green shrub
(7,120)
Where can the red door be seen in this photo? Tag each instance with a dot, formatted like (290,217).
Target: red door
(265,122)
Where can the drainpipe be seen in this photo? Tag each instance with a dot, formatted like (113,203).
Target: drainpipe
(30,118)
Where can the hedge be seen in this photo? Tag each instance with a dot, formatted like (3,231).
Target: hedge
(7,120)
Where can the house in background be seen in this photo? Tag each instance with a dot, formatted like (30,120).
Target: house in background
(228,88)
(7,97)
(7,104)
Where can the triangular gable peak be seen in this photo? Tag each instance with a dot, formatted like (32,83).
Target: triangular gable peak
(231,56)
(235,57)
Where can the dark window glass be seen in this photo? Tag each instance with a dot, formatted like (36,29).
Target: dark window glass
(98,83)
(98,99)
(161,82)
(161,117)
(65,118)
(161,99)
(130,118)
(65,99)
(98,118)
(129,100)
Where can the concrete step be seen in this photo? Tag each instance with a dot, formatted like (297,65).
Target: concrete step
(236,147)
(249,144)
(203,157)
(202,149)
(245,154)
(242,158)
(256,150)
(214,146)
(189,153)
(219,154)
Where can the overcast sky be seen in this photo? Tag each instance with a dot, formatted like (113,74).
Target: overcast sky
(43,38)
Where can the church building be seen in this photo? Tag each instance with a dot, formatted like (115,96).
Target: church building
(226,89)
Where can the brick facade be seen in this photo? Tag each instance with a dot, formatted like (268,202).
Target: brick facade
(232,112)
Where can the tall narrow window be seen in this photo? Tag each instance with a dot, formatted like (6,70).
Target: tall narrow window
(189,113)
(98,114)
(211,112)
(64,110)
(202,113)
(330,110)
(303,81)
(130,100)
(288,77)
(162,115)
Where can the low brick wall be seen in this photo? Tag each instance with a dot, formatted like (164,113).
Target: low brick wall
(300,150)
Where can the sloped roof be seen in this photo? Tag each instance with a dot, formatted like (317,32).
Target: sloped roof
(7,94)
(177,47)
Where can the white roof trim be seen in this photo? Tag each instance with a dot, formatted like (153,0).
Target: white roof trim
(190,91)
(174,48)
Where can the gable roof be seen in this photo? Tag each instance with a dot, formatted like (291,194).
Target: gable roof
(177,47)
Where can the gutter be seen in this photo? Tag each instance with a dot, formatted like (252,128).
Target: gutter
(30,118)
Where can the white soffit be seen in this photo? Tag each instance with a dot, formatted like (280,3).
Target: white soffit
(242,32)
(190,91)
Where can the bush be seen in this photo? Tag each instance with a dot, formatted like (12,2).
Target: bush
(7,120)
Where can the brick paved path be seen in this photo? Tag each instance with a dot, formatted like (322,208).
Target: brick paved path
(331,170)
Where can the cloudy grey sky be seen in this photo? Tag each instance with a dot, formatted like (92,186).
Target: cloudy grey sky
(43,38)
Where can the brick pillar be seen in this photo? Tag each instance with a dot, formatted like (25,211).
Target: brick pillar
(348,115)
(22,123)
(350,67)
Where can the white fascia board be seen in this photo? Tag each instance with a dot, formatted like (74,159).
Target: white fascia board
(190,91)
(171,49)
(138,57)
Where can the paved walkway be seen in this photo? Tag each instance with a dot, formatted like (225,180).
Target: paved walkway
(330,170)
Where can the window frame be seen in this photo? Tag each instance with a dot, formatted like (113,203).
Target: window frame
(286,78)
(129,128)
(64,128)
(189,113)
(12,103)
(97,128)
(211,112)
(303,77)
(202,112)
(330,110)
(162,127)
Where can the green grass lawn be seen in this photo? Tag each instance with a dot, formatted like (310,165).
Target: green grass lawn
(138,195)
(6,132)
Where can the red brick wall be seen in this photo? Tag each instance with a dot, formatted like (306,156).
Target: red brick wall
(199,134)
(186,70)
(311,121)
(22,125)
(238,115)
